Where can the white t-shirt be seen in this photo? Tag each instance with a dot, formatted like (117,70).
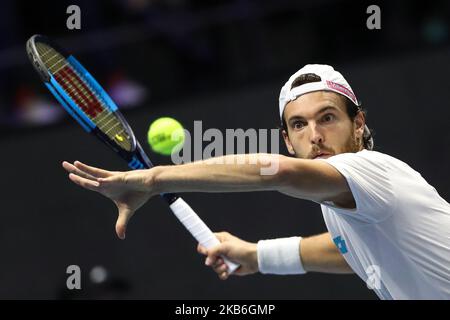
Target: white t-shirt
(398,237)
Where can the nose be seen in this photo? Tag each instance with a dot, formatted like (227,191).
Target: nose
(316,136)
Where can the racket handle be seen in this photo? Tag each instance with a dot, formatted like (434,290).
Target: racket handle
(198,228)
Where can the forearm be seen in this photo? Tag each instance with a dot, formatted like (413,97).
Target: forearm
(320,254)
(231,173)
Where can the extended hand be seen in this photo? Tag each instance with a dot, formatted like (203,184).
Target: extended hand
(129,190)
(234,249)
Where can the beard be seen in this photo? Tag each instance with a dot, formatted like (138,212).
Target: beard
(353,144)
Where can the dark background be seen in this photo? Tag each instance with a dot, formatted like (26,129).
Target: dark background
(223,63)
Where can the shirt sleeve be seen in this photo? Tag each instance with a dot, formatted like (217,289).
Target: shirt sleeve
(369,177)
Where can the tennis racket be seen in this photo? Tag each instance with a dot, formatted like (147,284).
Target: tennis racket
(86,101)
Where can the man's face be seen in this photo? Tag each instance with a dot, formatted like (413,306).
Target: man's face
(318,126)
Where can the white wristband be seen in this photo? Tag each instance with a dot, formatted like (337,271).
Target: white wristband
(280,256)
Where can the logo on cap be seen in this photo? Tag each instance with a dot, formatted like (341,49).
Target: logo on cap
(341,89)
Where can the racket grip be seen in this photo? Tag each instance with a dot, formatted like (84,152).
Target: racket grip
(198,228)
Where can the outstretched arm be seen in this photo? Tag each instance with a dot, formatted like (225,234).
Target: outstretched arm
(306,179)
(301,178)
(317,253)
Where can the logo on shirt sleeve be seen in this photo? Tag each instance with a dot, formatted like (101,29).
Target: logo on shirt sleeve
(340,244)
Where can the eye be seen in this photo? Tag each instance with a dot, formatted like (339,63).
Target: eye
(298,125)
(328,117)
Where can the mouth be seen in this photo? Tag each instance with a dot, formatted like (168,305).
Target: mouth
(322,155)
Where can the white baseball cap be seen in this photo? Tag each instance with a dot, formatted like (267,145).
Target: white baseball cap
(330,80)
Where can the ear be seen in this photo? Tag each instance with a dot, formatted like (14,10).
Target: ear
(360,122)
(288,143)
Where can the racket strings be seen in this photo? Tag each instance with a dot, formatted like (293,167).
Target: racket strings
(82,93)
(55,62)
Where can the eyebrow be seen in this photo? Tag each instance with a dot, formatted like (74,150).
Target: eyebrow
(322,110)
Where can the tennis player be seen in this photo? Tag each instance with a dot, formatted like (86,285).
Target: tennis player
(384,221)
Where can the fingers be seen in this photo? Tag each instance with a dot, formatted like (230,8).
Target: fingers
(218,265)
(122,222)
(121,230)
(80,173)
(222,272)
(214,259)
(221,269)
(213,256)
(221,249)
(72,169)
(111,179)
(202,250)
(222,236)
(85,183)
(96,172)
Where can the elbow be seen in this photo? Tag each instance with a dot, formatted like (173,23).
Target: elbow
(295,177)
(287,170)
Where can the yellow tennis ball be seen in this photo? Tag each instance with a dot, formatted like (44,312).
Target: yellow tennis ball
(165,136)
